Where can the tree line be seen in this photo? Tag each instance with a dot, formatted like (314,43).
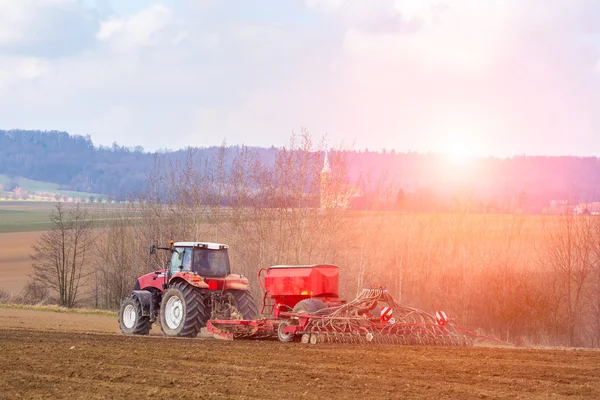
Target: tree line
(389,180)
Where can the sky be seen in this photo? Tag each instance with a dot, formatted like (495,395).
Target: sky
(494,77)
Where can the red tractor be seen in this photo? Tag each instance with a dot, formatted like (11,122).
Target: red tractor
(300,302)
(196,286)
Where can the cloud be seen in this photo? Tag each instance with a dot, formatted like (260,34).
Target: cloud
(31,68)
(141,29)
(376,16)
(325,5)
(50,28)
(505,76)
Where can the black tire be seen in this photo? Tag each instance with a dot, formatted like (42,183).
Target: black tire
(309,306)
(131,320)
(244,302)
(283,336)
(184,315)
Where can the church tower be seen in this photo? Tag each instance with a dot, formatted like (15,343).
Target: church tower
(326,198)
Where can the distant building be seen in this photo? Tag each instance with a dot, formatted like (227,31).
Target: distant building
(559,207)
(336,194)
(587,208)
(558,203)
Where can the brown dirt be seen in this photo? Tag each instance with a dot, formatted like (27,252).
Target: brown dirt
(49,355)
(15,264)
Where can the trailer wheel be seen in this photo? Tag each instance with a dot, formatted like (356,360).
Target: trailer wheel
(182,311)
(309,306)
(131,320)
(245,303)
(284,336)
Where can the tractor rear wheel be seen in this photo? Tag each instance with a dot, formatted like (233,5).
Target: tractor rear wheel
(309,306)
(245,304)
(131,320)
(182,311)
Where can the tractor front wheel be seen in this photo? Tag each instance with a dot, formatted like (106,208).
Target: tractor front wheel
(131,320)
(182,311)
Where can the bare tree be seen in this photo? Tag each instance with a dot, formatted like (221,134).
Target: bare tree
(567,257)
(595,285)
(60,255)
(117,255)
(214,188)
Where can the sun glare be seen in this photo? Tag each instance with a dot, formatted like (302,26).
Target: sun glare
(458,151)
(459,137)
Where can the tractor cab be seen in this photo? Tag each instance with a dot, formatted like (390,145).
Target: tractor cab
(205,259)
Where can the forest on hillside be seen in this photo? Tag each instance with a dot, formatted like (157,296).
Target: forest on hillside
(76,164)
(388,179)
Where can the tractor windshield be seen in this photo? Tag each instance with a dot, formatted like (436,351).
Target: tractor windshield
(181,260)
(209,262)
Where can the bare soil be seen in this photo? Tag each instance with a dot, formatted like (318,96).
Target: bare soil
(15,264)
(54,355)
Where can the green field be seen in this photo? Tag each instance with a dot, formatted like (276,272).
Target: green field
(18,220)
(25,216)
(32,216)
(39,186)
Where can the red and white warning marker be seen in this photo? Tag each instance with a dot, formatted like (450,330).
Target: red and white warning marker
(386,313)
(441,318)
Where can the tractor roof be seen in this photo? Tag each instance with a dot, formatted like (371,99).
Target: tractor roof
(210,245)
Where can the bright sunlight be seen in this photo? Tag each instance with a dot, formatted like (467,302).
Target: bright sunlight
(459,151)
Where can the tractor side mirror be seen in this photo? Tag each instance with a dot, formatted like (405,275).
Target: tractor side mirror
(153,249)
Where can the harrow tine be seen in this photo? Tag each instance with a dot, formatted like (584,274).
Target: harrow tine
(314,338)
(359,338)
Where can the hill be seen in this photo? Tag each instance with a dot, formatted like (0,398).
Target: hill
(74,164)
(418,182)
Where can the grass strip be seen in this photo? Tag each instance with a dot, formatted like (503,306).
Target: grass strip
(58,309)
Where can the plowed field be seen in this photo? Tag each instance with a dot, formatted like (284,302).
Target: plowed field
(53,355)
(15,263)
